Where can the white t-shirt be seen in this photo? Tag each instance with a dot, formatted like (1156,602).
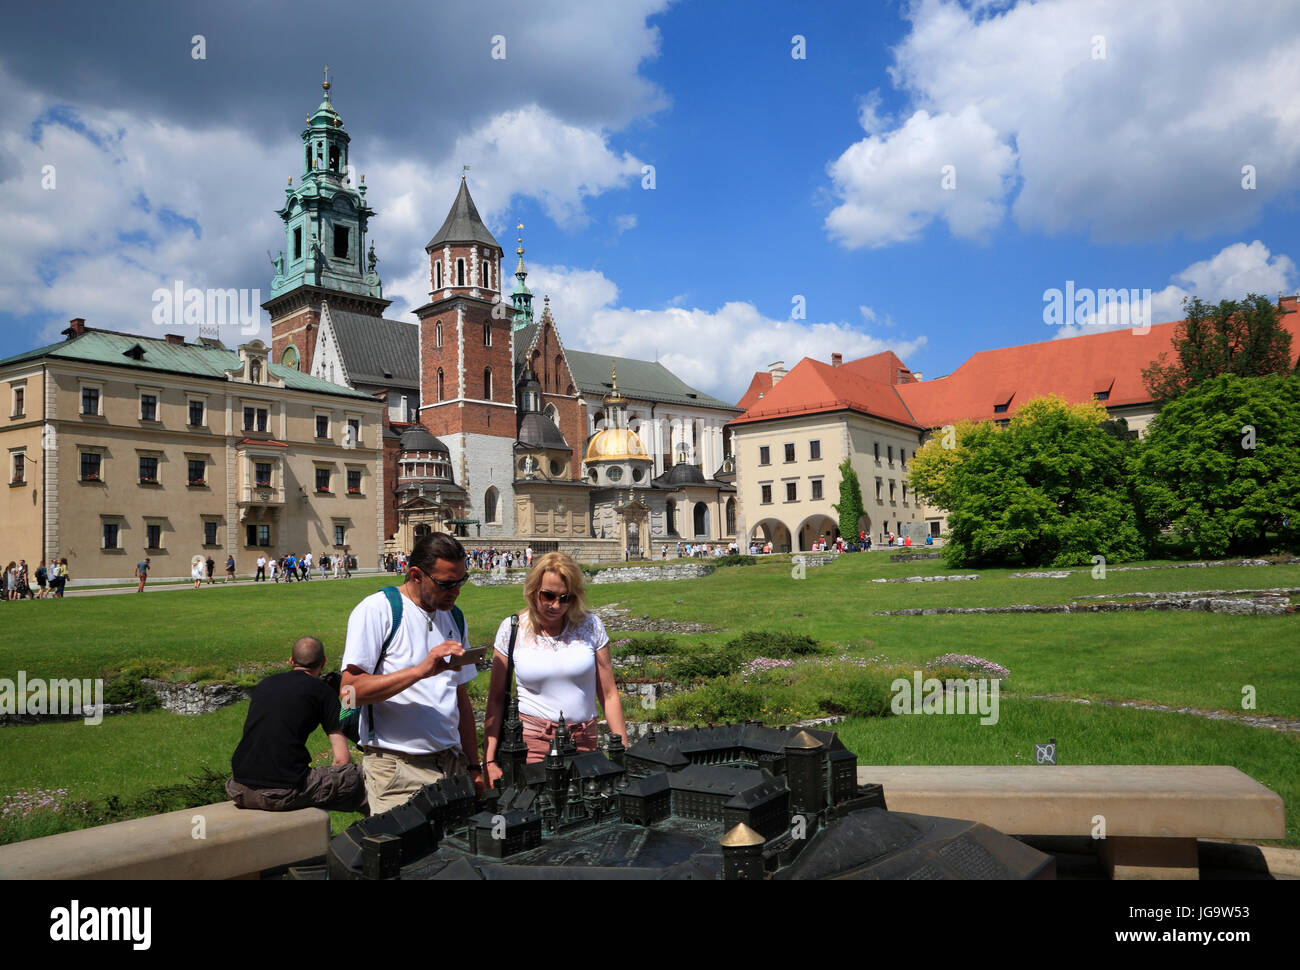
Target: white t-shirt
(556,675)
(425,717)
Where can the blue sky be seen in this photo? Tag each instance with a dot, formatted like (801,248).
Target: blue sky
(915,181)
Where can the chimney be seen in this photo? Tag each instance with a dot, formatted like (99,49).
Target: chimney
(777,370)
(175,338)
(76,327)
(837,359)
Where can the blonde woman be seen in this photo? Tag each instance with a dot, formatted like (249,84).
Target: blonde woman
(196,570)
(562,666)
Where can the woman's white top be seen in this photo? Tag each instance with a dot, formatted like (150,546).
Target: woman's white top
(556,674)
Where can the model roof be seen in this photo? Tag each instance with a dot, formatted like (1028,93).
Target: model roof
(211,361)
(378,351)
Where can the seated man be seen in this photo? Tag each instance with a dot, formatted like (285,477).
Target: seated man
(271,766)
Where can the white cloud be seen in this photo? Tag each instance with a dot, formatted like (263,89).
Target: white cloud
(625,222)
(717,351)
(946,166)
(1230,274)
(1143,142)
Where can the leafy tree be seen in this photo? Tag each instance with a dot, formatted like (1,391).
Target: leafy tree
(1220,466)
(1050,489)
(849,506)
(1242,338)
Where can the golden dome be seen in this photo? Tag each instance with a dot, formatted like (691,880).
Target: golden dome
(616,444)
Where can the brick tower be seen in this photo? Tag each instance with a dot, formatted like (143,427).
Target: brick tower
(466,365)
(325,222)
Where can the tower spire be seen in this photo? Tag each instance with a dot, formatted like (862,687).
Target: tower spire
(522,297)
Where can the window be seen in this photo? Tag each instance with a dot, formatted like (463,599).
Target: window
(196,472)
(196,414)
(19,473)
(262,474)
(814,450)
(460,272)
(792,491)
(876,446)
(764,455)
(891,456)
(20,408)
(1000,408)
(437,285)
(90,461)
(153,535)
(437,330)
(816,489)
(487,335)
(904,493)
(148,407)
(322,426)
(148,470)
(767,495)
(209,533)
(297,243)
(90,400)
(340,240)
(490,505)
(487,383)
(878,483)
(110,535)
(1101,396)
(439,382)
(891,490)
(354,483)
(340,535)
(255,419)
(902,457)
(257,535)
(354,432)
(789,452)
(322,479)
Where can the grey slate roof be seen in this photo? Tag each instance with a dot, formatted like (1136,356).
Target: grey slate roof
(644,380)
(378,351)
(462,224)
(539,431)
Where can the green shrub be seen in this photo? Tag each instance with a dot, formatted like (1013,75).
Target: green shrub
(703,663)
(781,645)
(718,700)
(735,559)
(128,687)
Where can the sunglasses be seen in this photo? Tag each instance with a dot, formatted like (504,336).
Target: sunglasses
(551,597)
(449,584)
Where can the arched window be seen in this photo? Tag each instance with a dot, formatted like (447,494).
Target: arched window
(487,273)
(307,149)
(487,333)
(490,505)
(487,383)
(437,336)
(553,414)
(437,276)
(731,516)
(334,158)
(439,383)
(460,272)
(671,512)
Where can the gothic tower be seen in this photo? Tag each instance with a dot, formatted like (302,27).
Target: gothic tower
(325,259)
(467,386)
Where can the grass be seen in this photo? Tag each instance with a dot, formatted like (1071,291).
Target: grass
(1180,659)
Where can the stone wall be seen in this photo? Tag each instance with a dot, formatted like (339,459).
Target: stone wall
(193,699)
(650,574)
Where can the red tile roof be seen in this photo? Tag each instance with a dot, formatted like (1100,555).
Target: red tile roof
(813,387)
(1076,368)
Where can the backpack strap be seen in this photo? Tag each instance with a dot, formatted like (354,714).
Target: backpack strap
(394,597)
(459,617)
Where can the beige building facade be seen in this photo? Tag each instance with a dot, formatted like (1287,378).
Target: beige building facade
(121,447)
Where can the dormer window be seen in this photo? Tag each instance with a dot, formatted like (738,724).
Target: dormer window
(135,353)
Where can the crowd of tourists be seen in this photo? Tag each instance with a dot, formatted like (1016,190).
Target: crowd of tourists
(698,550)
(21,582)
(501,558)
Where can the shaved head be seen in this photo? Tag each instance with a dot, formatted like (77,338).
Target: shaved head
(308,652)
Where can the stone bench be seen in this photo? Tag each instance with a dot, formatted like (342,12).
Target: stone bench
(237,843)
(1153,813)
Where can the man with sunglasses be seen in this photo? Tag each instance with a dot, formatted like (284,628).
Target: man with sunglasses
(417,723)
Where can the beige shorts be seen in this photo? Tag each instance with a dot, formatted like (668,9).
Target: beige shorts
(392,777)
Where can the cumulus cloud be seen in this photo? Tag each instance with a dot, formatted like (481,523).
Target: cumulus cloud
(1124,121)
(716,350)
(1230,274)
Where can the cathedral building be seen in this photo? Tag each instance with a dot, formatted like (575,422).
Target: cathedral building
(495,430)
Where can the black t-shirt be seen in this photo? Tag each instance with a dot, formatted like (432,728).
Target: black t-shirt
(286,708)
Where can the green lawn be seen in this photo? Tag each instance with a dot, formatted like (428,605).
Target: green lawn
(1182,659)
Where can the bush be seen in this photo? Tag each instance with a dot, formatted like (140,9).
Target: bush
(718,700)
(697,664)
(735,559)
(128,687)
(783,645)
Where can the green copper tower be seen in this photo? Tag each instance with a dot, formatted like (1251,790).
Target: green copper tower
(326,217)
(521,297)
